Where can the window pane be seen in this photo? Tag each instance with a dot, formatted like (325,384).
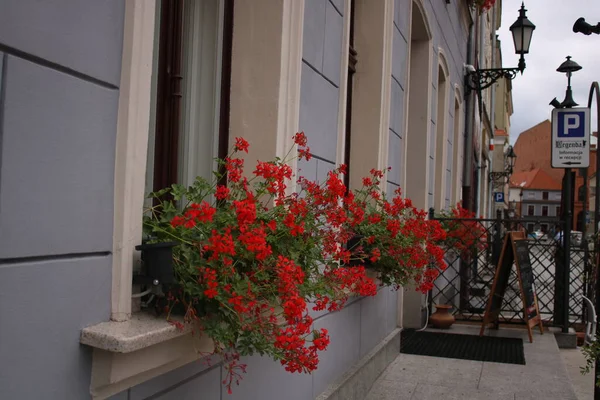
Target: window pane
(202,38)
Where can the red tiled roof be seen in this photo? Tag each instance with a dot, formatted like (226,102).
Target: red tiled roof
(534,179)
(500,132)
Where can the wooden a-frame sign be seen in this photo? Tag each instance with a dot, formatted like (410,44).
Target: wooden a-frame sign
(514,249)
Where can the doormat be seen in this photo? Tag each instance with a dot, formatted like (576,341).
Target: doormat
(464,347)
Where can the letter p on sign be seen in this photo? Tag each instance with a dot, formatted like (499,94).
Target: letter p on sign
(571,122)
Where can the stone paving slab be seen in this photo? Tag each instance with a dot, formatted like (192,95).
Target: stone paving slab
(583,384)
(422,378)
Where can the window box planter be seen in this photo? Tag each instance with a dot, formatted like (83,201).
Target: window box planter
(157,259)
(352,244)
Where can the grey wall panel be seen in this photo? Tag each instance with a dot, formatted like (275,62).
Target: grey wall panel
(172,379)
(391,319)
(314,33)
(434,66)
(204,387)
(373,321)
(56,193)
(267,379)
(323,169)
(434,102)
(343,351)
(402,16)
(332,56)
(308,169)
(397,108)
(394,157)
(83,35)
(399,53)
(432,139)
(124,395)
(339,5)
(319,113)
(43,307)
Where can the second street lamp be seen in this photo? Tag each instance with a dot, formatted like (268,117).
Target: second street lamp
(501,177)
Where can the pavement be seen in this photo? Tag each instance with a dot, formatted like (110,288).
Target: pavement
(544,376)
(583,384)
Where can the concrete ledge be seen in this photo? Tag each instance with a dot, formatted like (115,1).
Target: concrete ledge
(357,381)
(141,331)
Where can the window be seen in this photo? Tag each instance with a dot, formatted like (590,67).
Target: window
(443,138)
(530,210)
(352,59)
(530,227)
(420,180)
(544,228)
(558,211)
(457,182)
(190,93)
(544,211)
(544,195)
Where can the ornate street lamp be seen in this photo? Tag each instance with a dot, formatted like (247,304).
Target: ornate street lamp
(522,31)
(501,177)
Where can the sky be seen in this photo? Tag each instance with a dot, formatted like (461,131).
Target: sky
(553,40)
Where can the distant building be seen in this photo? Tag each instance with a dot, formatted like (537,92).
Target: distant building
(533,152)
(535,195)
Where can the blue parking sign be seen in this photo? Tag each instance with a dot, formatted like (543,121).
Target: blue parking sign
(570,137)
(571,124)
(499,197)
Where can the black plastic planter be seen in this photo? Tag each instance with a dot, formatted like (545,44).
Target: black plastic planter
(351,244)
(158,261)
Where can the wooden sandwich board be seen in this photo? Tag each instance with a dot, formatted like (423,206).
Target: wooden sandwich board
(515,249)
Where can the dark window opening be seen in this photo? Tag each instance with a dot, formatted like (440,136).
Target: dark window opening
(170,90)
(352,60)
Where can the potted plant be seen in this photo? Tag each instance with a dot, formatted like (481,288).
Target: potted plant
(482,6)
(392,237)
(464,234)
(251,261)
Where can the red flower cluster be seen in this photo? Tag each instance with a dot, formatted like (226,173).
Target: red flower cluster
(483,5)
(397,239)
(464,232)
(252,263)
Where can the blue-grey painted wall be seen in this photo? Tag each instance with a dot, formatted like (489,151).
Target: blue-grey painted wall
(58,117)
(58,113)
(450,34)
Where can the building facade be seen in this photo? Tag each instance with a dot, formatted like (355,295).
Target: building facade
(102,102)
(536,195)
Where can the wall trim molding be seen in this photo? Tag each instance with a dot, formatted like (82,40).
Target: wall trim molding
(131,149)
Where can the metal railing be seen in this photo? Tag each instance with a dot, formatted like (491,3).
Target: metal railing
(472,259)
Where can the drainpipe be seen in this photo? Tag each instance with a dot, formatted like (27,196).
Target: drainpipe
(493,113)
(469,122)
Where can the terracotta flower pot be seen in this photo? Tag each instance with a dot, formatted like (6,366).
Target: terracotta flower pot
(441,318)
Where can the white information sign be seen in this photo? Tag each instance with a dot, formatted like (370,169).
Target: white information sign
(570,138)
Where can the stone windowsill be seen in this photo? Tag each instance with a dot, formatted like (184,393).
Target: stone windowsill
(141,331)
(131,352)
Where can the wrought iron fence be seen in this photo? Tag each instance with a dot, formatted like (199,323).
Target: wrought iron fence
(472,259)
